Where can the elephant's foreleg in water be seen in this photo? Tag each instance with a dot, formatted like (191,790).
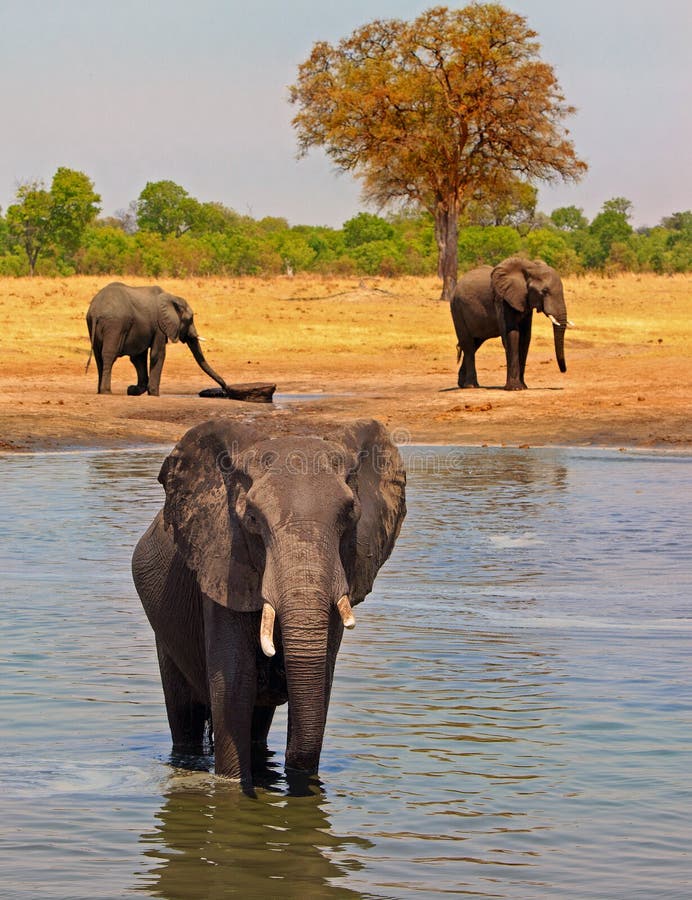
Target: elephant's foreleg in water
(261,722)
(187,716)
(232,686)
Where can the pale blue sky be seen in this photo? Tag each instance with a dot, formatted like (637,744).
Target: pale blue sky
(131,91)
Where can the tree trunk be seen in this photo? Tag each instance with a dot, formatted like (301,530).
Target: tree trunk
(447,237)
(32,256)
(255,392)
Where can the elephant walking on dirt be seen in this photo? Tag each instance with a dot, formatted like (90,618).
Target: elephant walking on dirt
(249,573)
(138,322)
(499,302)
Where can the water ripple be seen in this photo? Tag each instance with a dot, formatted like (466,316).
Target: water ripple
(509,719)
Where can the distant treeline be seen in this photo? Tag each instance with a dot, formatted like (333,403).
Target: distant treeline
(166,232)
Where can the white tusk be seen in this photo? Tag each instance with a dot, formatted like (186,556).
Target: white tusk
(200,338)
(570,324)
(267,630)
(346,613)
(554,321)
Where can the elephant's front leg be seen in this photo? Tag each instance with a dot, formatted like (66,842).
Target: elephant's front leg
(140,363)
(524,341)
(158,356)
(187,715)
(231,647)
(261,722)
(512,341)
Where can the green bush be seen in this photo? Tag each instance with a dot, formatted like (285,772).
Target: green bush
(14,264)
(621,258)
(54,233)
(381,257)
(552,247)
(105,251)
(480,245)
(365,229)
(295,251)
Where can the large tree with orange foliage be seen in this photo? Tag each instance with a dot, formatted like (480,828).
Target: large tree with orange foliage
(452,107)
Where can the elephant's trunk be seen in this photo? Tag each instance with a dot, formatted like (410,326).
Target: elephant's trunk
(559,337)
(306,589)
(556,311)
(311,637)
(196,350)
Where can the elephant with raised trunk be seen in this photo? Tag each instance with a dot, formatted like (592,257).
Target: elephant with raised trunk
(499,302)
(138,322)
(249,574)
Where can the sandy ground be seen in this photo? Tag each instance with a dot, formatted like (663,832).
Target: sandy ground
(377,347)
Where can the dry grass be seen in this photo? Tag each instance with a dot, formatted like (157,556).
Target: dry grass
(390,342)
(282,322)
(329,323)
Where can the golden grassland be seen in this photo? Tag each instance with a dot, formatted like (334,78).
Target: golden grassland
(376,346)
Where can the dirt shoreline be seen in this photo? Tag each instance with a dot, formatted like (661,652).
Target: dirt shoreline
(383,349)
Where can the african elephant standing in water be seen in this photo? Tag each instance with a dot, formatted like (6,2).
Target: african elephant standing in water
(499,302)
(136,322)
(249,573)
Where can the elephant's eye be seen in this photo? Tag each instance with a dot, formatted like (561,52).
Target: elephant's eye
(349,511)
(251,520)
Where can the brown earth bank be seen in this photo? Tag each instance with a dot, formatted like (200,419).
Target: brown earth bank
(344,348)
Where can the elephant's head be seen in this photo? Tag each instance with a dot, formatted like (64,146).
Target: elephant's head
(176,320)
(532,284)
(295,527)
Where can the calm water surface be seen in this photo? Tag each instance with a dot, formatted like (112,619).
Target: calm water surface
(511,718)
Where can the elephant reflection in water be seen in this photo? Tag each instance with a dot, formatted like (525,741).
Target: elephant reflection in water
(208,838)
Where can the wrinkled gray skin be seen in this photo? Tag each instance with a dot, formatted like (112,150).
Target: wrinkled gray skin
(251,521)
(136,322)
(499,302)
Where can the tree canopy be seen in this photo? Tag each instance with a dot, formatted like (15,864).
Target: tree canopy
(45,231)
(164,207)
(450,107)
(40,220)
(569,218)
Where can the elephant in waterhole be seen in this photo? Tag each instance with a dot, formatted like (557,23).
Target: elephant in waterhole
(249,574)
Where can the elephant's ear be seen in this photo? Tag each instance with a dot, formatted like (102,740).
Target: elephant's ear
(202,480)
(169,316)
(509,282)
(379,482)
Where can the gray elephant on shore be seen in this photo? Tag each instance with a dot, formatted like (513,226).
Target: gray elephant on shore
(138,322)
(249,574)
(499,302)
